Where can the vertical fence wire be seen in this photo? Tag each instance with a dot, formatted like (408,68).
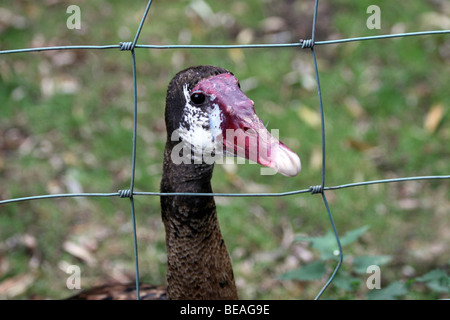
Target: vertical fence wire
(322,127)
(130,193)
(127,46)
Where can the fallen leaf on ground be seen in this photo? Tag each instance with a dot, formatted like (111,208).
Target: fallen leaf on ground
(433,118)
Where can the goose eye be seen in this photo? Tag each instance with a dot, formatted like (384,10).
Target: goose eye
(198,98)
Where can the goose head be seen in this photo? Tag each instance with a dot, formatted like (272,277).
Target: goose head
(208,116)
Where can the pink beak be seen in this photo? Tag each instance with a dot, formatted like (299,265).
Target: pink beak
(243,133)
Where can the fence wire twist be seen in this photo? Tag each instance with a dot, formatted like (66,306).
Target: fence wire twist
(304,44)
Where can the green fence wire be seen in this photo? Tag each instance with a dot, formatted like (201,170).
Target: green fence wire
(303,43)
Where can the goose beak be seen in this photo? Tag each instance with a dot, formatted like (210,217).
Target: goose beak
(248,138)
(242,132)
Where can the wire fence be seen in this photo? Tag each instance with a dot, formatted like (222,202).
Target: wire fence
(318,189)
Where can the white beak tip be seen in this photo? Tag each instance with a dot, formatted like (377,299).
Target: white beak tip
(287,162)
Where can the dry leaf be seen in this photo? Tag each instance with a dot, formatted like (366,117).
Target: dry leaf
(15,286)
(435,20)
(312,118)
(237,55)
(79,252)
(433,118)
(273,24)
(245,36)
(359,145)
(9,19)
(354,107)
(408,204)
(315,161)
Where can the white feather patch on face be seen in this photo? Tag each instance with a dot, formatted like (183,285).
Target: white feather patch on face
(200,127)
(215,121)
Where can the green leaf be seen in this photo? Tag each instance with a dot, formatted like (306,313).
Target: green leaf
(353,235)
(432,275)
(361,263)
(346,282)
(391,292)
(324,244)
(311,271)
(327,244)
(437,280)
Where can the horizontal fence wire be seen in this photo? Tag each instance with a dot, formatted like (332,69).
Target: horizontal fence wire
(299,44)
(312,190)
(303,43)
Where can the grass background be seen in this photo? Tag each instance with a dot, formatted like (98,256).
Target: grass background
(66,126)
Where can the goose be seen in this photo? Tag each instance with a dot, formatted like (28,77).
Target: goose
(207,116)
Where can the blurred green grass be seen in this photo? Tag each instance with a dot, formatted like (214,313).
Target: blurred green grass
(66,122)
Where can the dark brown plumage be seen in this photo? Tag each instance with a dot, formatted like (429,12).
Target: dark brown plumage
(198,263)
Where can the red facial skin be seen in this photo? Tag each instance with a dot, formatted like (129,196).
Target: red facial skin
(243,133)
